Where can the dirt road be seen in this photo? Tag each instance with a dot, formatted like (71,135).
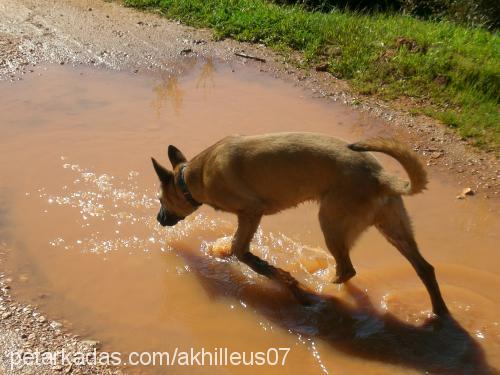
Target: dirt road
(105,34)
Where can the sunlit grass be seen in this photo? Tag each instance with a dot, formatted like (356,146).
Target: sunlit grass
(453,69)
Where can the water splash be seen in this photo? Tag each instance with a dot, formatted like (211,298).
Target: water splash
(124,206)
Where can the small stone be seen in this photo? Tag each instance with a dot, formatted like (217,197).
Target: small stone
(91,343)
(6,315)
(322,67)
(41,319)
(466,192)
(55,324)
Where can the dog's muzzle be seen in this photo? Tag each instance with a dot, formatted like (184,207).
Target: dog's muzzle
(166,219)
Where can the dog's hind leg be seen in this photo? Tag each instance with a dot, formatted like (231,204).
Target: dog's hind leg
(393,222)
(341,226)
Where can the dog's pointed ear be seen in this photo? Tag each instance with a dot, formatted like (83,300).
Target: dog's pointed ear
(163,174)
(175,155)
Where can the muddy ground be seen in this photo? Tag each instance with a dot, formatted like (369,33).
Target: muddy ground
(105,34)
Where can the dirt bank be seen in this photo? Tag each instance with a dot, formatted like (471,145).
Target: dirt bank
(106,34)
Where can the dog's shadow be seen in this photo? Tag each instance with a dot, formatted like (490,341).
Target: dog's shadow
(437,346)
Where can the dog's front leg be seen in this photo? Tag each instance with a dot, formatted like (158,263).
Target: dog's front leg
(247,225)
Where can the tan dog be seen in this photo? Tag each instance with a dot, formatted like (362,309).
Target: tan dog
(252,176)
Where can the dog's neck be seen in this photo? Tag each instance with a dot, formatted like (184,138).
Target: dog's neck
(181,181)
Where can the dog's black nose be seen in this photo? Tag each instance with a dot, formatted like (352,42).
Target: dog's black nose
(161,219)
(166,219)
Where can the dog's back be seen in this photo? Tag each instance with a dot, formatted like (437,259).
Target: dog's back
(284,169)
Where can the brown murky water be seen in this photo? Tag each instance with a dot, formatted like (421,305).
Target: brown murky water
(77,193)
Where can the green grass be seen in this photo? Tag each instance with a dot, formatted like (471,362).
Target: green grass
(452,70)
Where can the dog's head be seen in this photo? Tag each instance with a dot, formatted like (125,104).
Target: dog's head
(174,206)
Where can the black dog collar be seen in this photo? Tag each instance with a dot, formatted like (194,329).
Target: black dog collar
(185,190)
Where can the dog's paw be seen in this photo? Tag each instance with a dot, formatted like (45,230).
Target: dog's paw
(344,276)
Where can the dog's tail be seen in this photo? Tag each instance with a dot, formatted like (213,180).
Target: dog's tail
(410,162)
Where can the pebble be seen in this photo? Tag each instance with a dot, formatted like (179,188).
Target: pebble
(91,343)
(55,324)
(466,192)
(436,155)
(322,67)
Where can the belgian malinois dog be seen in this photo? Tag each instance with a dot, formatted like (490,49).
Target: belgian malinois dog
(252,176)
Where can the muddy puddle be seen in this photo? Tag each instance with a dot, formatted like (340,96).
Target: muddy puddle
(78,198)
